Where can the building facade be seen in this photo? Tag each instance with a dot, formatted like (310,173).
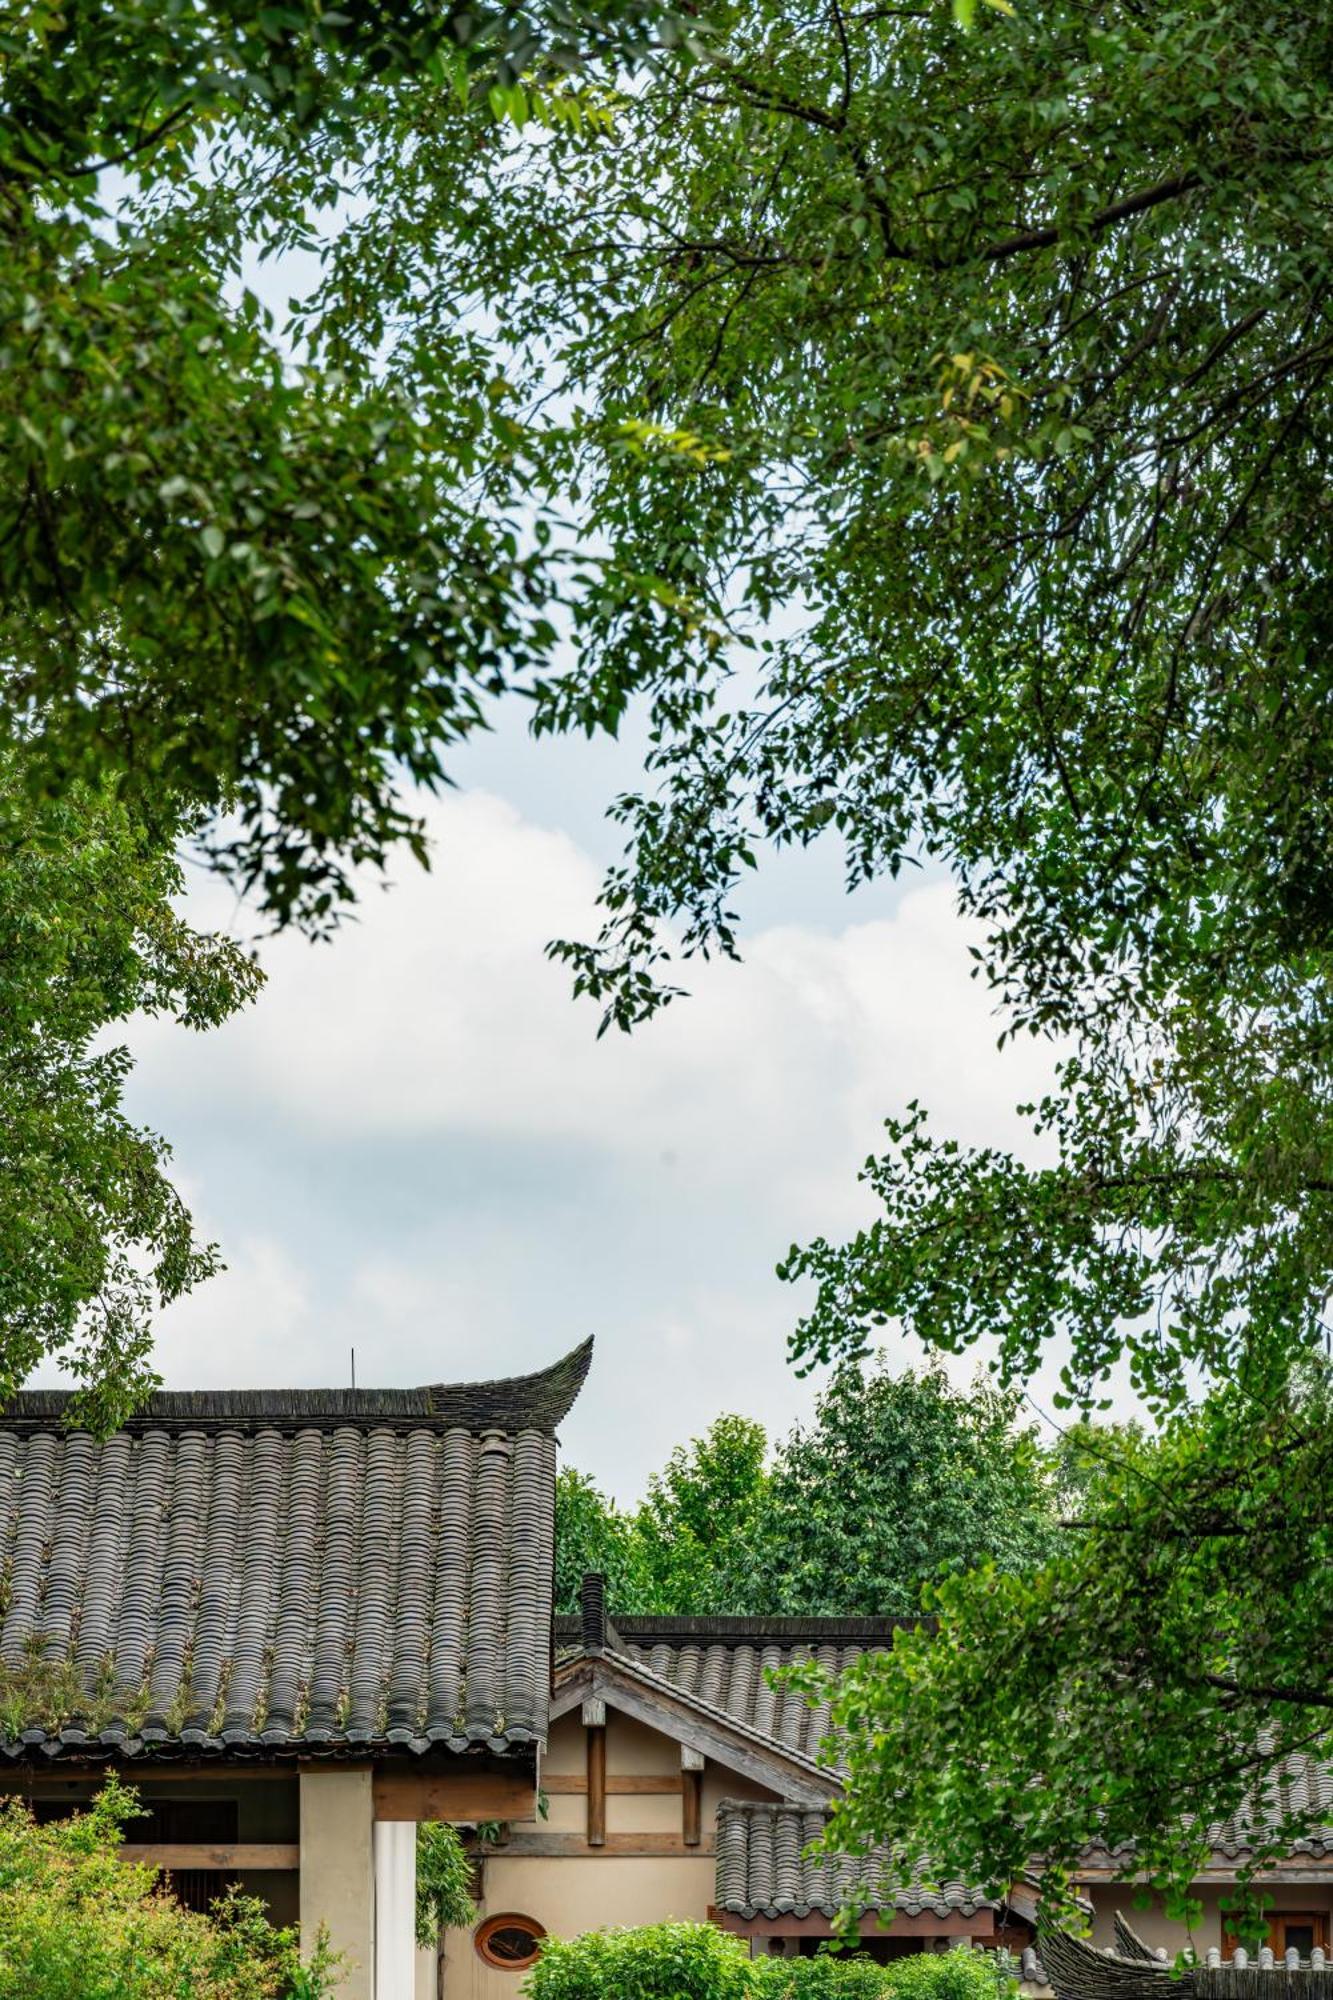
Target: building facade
(303,1623)
(680,1782)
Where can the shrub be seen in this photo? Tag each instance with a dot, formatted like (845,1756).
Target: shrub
(656,1962)
(962,1974)
(78,1923)
(827,1977)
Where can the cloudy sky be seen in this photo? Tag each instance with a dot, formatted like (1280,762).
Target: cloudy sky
(414,1145)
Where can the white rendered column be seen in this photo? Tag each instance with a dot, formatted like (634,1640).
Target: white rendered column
(395,1909)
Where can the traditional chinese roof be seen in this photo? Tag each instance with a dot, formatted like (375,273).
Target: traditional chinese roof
(719,1668)
(312,1572)
(763,1871)
(1077,1970)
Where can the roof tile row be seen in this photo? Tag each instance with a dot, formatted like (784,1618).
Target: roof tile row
(763,1870)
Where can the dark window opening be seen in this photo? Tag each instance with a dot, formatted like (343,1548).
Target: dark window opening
(197,1888)
(163,1822)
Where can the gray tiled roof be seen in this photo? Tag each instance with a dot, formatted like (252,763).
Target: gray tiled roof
(1301,1786)
(726,1663)
(316,1572)
(762,1871)
(517,1402)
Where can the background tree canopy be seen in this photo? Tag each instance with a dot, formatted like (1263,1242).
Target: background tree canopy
(929,430)
(898,1480)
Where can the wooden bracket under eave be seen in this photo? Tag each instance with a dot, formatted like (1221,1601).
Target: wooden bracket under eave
(691,1795)
(594,1733)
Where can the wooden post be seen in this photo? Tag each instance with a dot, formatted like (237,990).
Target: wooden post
(594,1725)
(691,1795)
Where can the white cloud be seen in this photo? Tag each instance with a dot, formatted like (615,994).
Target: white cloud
(437,1013)
(414,1142)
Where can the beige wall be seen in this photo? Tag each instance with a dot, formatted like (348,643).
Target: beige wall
(338,1870)
(1159,1930)
(568,1894)
(573,1894)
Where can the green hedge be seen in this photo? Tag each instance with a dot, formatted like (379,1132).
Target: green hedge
(698,1962)
(658,1962)
(928,1975)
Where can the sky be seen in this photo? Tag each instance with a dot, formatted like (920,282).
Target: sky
(414,1145)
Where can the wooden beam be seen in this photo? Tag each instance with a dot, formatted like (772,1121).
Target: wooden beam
(691,1806)
(980,1927)
(595,1737)
(203,1854)
(454,1795)
(546,1846)
(631,1786)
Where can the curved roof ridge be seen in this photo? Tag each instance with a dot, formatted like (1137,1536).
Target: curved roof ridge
(534,1402)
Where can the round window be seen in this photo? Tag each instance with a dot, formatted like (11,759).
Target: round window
(510,1941)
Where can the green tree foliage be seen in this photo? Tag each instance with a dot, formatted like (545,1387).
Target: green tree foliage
(79,1923)
(701,1513)
(591,1533)
(269,589)
(93,1237)
(444,1881)
(683,1547)
(899,1478)
(997,363)
(682,1961)
(1134,1689)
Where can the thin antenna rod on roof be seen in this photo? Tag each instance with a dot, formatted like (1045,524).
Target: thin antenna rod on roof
(353,1371)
